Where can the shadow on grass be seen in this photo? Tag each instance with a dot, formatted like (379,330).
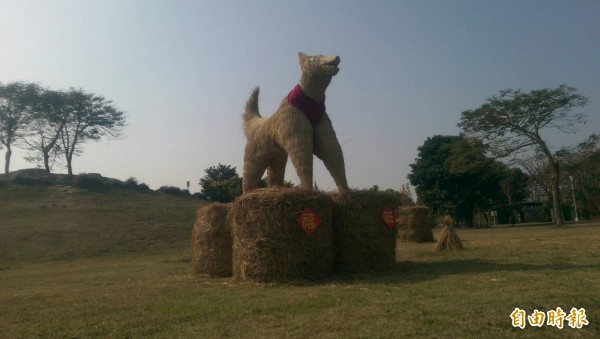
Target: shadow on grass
(570,224)
(412,271)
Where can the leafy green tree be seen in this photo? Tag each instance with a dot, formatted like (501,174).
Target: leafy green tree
(511,123)
(435,185)
(221,183)
(453,176)
(16,101)
(88,117)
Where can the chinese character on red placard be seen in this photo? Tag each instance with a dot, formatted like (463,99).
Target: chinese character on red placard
(308,221)
(389,216)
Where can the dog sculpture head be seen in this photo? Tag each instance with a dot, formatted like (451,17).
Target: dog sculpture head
(319,66)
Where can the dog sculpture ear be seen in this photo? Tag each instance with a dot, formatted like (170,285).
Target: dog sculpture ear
(301,57)
(302,60)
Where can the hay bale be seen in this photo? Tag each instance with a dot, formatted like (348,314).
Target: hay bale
(448,240)
(268,243)
(414,224)
(211,241)
(362,240)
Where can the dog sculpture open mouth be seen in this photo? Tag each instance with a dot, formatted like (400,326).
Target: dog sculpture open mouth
(334,62)
(331,65)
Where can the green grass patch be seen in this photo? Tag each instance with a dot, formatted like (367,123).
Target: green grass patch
(121,285)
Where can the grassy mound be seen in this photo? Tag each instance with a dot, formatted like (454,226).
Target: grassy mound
(41,222)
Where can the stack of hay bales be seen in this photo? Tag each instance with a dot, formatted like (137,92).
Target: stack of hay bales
(268,243)
(258,237)
(362,240)
(414,224)
(211,241)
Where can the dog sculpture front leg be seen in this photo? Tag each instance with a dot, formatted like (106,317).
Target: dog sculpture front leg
(300,152)
(294,134)
(328,149)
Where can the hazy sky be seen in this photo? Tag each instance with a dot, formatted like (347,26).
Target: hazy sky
(182,71)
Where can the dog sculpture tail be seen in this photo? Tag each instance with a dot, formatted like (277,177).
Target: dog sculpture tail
(251,113)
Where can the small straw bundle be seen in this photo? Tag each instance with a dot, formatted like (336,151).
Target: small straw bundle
(211,241)
(448,239)
(268,243)
(414,224)
(362,240)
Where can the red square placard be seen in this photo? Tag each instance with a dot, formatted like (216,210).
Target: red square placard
(389,216)
(308,221)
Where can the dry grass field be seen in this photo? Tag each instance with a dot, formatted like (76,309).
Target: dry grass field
(75,263)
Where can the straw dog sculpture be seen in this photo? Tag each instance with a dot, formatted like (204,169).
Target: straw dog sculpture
(299,128)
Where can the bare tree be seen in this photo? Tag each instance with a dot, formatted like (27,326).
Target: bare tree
(44,131)
(406,196)
(539,174)
(16,100)
(511,123)
(583,164)
(89,117)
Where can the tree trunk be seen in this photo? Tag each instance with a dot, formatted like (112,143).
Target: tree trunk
(49,148)
(69,167)
(7,159)
(559,220)
(69,157)
(46,162)
(558,216)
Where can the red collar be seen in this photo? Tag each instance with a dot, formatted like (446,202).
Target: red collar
(313,110)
